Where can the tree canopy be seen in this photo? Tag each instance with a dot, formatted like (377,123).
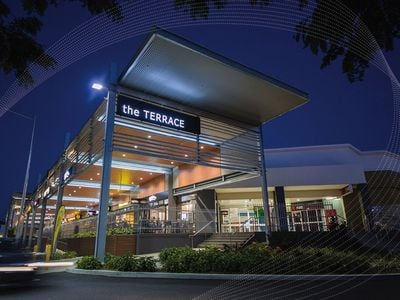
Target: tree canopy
(315,32)
(18,44)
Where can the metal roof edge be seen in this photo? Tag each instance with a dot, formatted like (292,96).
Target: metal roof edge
(315,147)
(211,54)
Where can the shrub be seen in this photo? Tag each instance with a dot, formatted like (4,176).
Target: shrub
(89,263)
(382,265)
(63,255)
(146,264)
(177,260)
(182,260)
(129,263)
(261,259)
(110,231)
(120,231)
(85,234)
(124,263)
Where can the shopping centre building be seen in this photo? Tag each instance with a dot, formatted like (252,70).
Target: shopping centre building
(176,148)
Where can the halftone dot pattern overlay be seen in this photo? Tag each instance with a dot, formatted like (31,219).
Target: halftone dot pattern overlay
(140,17)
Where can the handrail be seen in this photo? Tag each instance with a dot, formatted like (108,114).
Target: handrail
(249,239)
(254,218)
(200,230)
(342,218)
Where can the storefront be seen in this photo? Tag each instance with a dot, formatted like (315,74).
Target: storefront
(179,122)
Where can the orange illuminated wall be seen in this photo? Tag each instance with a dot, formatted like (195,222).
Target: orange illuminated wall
(154,186)
(189,174)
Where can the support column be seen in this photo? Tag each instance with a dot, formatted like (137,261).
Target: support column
(101,234)
(365,204)
(169,180)
(264,187)
(60,195)
(280,208)
(25,229)
(32,225)
(41,225)
(9,218)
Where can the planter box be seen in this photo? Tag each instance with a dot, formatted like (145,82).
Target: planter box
(115,245)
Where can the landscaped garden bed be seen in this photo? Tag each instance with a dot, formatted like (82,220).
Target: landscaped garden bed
(254,259)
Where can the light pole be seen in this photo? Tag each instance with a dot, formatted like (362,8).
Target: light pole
(20,224)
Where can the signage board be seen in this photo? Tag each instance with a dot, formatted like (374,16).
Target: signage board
(146,112)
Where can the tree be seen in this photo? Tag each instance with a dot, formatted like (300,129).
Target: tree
(18,47)
(382,18)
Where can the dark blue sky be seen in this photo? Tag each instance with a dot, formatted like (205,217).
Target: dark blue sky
(339,112)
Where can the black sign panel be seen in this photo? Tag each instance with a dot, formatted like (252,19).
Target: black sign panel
(146,112)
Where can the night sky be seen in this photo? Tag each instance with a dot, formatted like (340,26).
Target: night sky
(338,112)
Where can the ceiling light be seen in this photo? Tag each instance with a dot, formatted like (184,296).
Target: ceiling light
(172,162)
(91,178)
(141,178)
(135,146)
(151,173)
(201,147)
(74,191)
(98,174)
(149,136)
(123,155)
(186,155)
(80,187)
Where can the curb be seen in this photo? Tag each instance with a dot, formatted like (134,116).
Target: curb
(253,277)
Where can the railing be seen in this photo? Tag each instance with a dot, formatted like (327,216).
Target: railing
(253,224)
(199,231)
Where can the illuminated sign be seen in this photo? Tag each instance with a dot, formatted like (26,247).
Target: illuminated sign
(150,113)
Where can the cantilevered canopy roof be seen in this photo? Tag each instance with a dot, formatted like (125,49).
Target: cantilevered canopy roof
(173,68)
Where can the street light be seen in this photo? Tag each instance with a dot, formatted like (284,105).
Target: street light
(97,86)
(20,224)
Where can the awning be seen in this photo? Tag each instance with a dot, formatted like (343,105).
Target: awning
(173,68)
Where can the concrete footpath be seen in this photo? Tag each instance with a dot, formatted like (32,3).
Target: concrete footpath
(261,277)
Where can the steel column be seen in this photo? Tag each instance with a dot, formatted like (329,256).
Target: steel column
(101,234)
(171,200)
(25,229)
(60,195)
(26,181)
(280,208)
(41,224)
(32,225)
(264,187)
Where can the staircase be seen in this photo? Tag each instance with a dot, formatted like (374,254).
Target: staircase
(233,240)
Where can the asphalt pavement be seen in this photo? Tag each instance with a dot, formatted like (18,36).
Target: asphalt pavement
(62,285)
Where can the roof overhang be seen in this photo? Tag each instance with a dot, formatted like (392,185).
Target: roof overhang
(170,67)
